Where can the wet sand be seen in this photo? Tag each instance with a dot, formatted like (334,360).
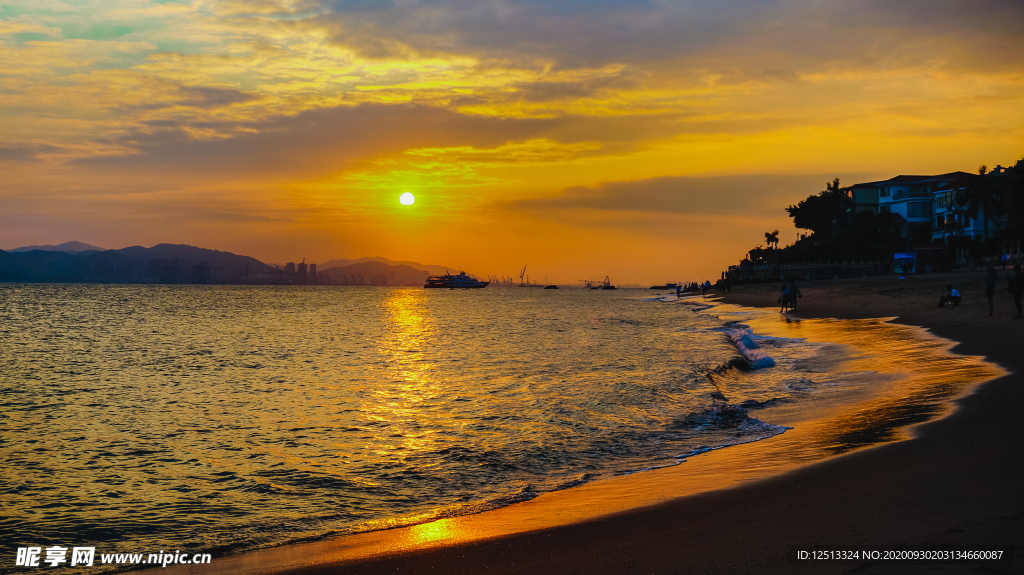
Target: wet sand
(956,481)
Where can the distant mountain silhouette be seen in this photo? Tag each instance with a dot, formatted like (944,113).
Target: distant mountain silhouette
(55,266)
(163,263)
(376,273)
(66,247)
(187,256)
(179,263)
(433,269)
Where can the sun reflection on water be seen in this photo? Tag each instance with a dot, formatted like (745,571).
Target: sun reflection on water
(403,403)
(435,531)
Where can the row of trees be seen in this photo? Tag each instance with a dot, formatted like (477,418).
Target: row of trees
(838,232)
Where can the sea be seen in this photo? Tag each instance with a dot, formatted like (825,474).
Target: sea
(221,419)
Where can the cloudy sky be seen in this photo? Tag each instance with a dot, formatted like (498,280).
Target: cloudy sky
(647,140)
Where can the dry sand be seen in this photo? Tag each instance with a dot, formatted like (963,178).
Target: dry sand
(957,482)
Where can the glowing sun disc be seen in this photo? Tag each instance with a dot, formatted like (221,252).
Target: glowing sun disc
(407,199)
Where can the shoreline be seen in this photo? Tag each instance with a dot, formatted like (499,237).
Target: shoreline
(903,507)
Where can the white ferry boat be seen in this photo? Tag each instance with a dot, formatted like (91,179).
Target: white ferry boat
(449,281)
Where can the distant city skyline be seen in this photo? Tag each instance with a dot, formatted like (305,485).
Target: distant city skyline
(646,141)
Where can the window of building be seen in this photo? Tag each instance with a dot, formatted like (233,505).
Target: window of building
(865,196)
(919,210)
(920,231)
(884,192)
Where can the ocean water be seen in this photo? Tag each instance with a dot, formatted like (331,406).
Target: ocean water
(218,419)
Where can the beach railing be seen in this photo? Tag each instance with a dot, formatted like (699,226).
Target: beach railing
(809,270)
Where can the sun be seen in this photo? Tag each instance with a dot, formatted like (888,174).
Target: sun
(407,199)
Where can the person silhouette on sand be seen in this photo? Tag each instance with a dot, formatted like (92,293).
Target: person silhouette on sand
(990,286)
(952,297)
(794,294)
(1017,288)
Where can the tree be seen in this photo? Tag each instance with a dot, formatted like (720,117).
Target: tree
(772,239)
(823,212)
(984,193)
(758,256)
(1012,201)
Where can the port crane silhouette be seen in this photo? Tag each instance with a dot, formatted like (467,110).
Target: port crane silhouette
(589,284)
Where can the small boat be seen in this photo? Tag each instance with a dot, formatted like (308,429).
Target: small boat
(450,281)
(552,286)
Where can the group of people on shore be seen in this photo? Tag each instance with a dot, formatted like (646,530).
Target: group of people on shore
(720,286)
(790,294)
(953,297)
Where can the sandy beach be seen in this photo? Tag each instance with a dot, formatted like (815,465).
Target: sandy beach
(955,482)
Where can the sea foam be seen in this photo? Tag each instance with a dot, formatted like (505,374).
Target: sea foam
(756,357)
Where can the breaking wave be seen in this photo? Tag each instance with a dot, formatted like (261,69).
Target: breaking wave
(755,357)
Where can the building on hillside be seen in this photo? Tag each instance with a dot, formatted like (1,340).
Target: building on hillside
(931,207)
(865,197)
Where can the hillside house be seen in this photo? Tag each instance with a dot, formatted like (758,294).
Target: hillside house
(932,207)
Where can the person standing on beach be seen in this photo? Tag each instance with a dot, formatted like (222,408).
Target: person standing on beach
(1017,288)
(990,286)
(784,300)
(794,294)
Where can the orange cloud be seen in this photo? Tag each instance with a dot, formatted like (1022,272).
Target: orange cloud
(265,126)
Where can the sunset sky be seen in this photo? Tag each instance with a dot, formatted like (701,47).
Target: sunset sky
(645,140)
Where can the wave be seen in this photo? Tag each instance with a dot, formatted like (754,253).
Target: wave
(755,357)
(754,404)
(731,418)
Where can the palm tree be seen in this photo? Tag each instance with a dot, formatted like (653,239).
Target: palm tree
(772,239)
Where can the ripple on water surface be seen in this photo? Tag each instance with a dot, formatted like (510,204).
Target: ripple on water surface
(141,418)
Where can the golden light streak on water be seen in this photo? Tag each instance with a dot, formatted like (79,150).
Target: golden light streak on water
(410,379)
(435,531)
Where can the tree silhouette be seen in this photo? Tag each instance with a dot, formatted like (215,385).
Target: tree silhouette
(983,193)
(1012,201)
(772,239)
(820,213)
